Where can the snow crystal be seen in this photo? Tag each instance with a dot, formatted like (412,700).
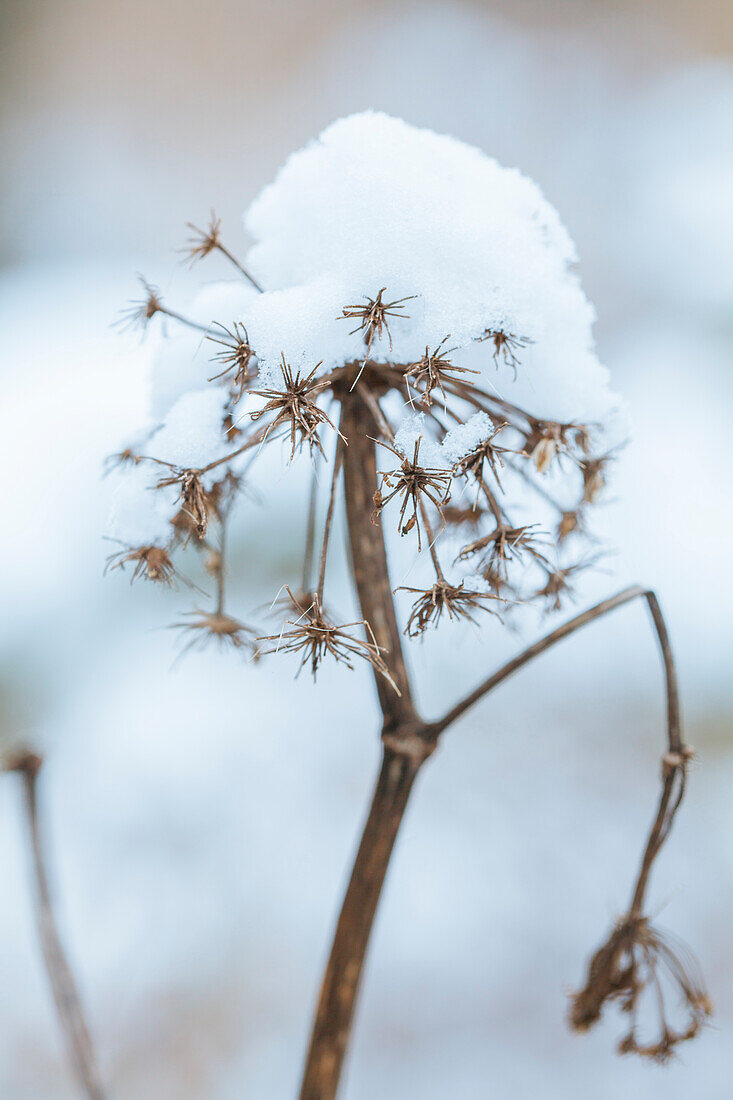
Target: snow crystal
(411,429)
(192,435)
(140,514)
(377,203)
(464,438)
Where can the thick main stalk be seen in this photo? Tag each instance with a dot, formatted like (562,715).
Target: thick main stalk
(405,748)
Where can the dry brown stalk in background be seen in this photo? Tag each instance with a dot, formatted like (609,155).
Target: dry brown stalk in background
(65,994)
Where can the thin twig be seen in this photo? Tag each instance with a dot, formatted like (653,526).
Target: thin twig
(538,647)
(310,531)
(329,516)
(63,986)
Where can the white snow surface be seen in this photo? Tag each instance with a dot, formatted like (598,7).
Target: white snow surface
(375,202)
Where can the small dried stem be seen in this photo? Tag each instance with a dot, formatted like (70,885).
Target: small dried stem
(329,517)
(63,986)
(310,531)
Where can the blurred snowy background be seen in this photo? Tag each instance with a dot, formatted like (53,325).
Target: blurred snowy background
(204,816)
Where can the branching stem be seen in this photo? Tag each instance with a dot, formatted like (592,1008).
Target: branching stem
(408,741)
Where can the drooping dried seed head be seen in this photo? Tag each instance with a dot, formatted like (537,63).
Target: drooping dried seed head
(636,960)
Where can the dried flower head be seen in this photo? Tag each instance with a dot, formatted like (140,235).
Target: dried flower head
(569,522)
(457,516)
(506,344)
(218,628)
(559,584)
(412,482)
(594,478)
(236,355)
(140,311)
(195,502)
(486,453)
(638,959)
(494,552)
(313,636)
(373,317)
(125,457)
(431,371)
(295,406)
(455,600)
(151,562)
(203,241)
(549,438)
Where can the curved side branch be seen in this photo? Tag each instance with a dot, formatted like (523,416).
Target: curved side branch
(65,993)
(626,596)
(627,963)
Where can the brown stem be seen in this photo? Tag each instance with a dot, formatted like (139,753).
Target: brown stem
(63,986)
(329,517)
(674,762)
(233,259)
(369,556)
(334,1017)
(408,741)
(405,749)
(310,531)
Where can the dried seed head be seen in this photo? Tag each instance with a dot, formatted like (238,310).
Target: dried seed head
(196,504)
(313,636)
(151,563)
(373,316)
(412,482)
(636,959)
(594,478)
(295,407)
(217,628)
(494,552)
(569,522)
(456,516)
(140,311)
(203,241)
(560,584)
(487,453)
(430,372)
(455,600)
(506,344)
(236,356)
(126,457)
(549,438)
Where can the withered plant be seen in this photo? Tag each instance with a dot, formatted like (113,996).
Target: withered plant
(483,481)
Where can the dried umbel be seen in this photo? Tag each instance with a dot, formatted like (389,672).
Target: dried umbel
(150,562)
(639,961)
(294,406)
(413,484)
(496,452)
(313,637)
(456,601)
(430,372)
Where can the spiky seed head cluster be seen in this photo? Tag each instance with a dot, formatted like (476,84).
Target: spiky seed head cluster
(455,311)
